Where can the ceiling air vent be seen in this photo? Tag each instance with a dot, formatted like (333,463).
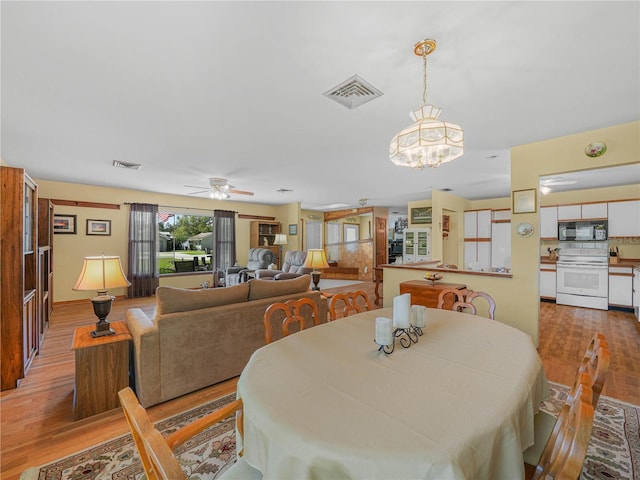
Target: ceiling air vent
(353,92)
(130,166)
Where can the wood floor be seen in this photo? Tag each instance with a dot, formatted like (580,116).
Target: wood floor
(37,425)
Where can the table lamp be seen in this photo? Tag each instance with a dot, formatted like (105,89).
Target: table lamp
(316,259)
(100,274)
(280,239)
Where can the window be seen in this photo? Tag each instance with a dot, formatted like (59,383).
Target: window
(351,232)
(185,242)
(333,232)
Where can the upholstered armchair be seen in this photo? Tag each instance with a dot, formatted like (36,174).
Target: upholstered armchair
(259,258)
(292,267)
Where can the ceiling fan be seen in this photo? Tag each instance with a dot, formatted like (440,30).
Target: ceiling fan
(219,189)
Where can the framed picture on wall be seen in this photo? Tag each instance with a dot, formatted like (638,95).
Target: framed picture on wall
(293,229)
(98,227)
(524,201)
(64,224)
(421,215)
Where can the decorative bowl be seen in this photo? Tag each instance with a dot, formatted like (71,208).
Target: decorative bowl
(432,277)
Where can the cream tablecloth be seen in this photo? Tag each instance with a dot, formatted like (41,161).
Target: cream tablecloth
(325,404)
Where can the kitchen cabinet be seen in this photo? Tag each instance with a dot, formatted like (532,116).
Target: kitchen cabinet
(501,245)
(477,224)
(548,281)
(624,218)
(549,223)
(569,212)
(594,210)
(477,239)
(621,286)
(502,215)
(416,245)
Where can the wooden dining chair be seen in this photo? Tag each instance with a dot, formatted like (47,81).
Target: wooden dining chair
(350,302)
(566,448)
(157,452)
(449,296)
(463,301)
(292,312)
(596,364)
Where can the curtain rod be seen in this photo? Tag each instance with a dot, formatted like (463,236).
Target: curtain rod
(186,208)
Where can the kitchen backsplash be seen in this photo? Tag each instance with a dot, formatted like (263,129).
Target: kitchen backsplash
(628,247)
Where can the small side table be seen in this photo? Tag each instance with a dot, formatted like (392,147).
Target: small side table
(102,369)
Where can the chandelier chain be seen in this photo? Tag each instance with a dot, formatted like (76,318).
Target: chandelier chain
(424,72)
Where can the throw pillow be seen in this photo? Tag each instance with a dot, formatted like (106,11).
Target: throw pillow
(259,289)
(171,299)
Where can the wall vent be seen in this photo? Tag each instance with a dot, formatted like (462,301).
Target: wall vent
(130,166)
(353,92)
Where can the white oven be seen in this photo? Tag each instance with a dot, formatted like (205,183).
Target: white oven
(582,278)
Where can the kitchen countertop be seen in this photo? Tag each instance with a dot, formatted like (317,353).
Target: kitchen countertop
(432,266)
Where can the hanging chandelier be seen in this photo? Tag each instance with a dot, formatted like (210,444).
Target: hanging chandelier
(428,142)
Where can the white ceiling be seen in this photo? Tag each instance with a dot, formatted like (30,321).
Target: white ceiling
(193,90)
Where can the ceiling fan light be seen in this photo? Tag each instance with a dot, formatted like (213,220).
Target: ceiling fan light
(218,194)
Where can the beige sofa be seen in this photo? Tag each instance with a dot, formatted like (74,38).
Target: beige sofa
(201,337)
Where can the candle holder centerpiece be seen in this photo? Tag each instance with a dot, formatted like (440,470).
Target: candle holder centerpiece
(406,325)
(432,277)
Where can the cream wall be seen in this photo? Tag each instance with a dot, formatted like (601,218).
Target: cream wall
(69,250)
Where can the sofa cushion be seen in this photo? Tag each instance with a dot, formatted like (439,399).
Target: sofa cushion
(259,289)
(171,299)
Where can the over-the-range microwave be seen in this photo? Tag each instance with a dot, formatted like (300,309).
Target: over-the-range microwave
(582,231)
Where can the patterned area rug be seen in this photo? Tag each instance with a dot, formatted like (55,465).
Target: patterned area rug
(203,457)
(613,454)
(614,447)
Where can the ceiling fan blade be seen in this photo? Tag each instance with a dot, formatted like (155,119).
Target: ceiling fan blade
(200,191)
(196,186)
(240,192)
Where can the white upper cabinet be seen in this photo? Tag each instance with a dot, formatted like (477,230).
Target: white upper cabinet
(477,224)
(548,222)
(569,212)
(624,219)
(484,224)
(502,214)
(470,224)
(594,210)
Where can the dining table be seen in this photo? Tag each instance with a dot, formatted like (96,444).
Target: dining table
(325,403)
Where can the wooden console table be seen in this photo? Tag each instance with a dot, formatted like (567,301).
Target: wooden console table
(424,293)
(102,369)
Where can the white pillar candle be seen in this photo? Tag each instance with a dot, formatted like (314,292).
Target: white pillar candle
(419,315)
(384,331)
(402,311)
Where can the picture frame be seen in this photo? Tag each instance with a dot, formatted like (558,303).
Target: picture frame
(64,224)
(293,229)
(524,201)
(421,215)
(98,227)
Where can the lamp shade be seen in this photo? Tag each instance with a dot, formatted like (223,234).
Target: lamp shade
(316,258)
(280,239)
(101,273)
